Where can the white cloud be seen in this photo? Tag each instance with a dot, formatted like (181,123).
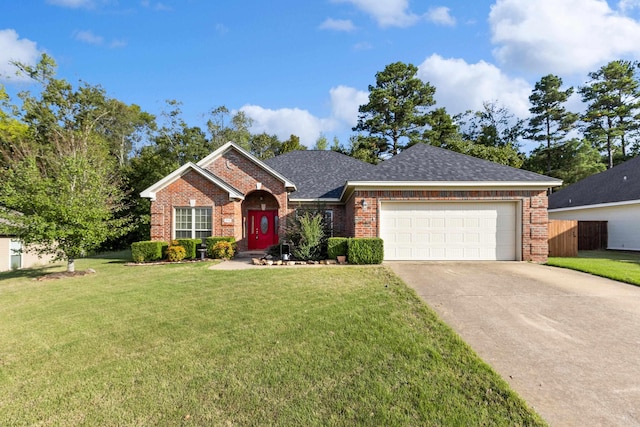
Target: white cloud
(561,36)
(388,13)
(74,4)
(87,36)
(628,5)
(337,25)
(286,121)
(461,86)
(12,48)
(441,15)
(345,102)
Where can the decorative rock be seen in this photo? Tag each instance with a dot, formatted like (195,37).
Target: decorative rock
(278,262)
(323,261)
(330,261)
(291,263)
(256,261)
(269,262)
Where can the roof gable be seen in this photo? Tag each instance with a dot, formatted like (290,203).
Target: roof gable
(151,191)
(232,146)
(618,184)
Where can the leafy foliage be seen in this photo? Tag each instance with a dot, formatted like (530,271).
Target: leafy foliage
(365,251)
(175,252)
(222,250)
(61,193)
(211,242)
(190,246)
(307,234)
(148,250)
(337,246)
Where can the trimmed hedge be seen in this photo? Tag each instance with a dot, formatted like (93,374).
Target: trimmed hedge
(337,246)
(148,250)
(211,242)
(365,251)
(190,246)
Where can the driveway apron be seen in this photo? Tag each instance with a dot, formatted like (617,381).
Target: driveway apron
(567,342)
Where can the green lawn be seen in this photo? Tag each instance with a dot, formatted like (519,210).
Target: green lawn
(616,265)
(184,345)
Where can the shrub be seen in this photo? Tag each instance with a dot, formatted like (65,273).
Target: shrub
(222,250)
(337,246)
(175,252)
(190,246)
(147,250)
(365,251)
(211,241)
(307,236)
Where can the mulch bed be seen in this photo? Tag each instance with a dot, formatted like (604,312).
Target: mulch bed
(65,274)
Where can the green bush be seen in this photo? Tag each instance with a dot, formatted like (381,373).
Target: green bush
(308,237)
(211,241)
(175,252)
(148,250)
(337,246)
(365,251)
(190,246)
(222,250)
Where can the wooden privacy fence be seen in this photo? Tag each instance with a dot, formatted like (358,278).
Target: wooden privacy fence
(563,238)
(592,235)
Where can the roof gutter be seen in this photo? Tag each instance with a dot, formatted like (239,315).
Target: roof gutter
(460,185)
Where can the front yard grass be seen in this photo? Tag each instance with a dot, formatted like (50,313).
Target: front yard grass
(184,345)
(623,266)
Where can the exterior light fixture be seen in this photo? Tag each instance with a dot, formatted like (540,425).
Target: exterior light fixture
(364,204)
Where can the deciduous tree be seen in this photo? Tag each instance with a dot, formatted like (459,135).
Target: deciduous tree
(60,192)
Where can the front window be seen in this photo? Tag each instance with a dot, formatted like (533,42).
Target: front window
(328,222)
(193,223)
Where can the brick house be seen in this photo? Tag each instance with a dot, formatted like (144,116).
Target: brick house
(426,203)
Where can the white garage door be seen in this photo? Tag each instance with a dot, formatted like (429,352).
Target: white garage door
(448,231)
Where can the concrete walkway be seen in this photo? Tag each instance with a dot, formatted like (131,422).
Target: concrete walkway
(567,342)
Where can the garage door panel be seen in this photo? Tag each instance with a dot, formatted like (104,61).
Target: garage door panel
(449,230)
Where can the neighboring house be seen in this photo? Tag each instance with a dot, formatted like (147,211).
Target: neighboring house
(13,257)
(427,203)
(612,196)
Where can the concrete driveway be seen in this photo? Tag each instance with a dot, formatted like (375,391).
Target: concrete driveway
(567,342)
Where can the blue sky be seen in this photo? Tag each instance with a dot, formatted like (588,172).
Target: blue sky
(303,67)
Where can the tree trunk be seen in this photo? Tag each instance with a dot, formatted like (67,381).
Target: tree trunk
(71,266)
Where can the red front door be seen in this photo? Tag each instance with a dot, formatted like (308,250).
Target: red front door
(262,229)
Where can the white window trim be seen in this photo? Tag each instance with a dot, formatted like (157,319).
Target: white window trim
(193,220)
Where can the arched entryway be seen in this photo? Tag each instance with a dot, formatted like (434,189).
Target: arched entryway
(260,219)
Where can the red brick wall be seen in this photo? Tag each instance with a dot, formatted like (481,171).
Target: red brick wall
(239,172)
(364,222)
(193,186)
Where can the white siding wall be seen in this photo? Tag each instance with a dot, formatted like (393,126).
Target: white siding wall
(623,223)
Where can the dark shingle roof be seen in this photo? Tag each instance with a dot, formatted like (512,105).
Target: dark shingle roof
(318,174)
(422,162)
(618,184)
(323,174)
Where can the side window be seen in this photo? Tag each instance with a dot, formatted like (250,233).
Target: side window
(328,222)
